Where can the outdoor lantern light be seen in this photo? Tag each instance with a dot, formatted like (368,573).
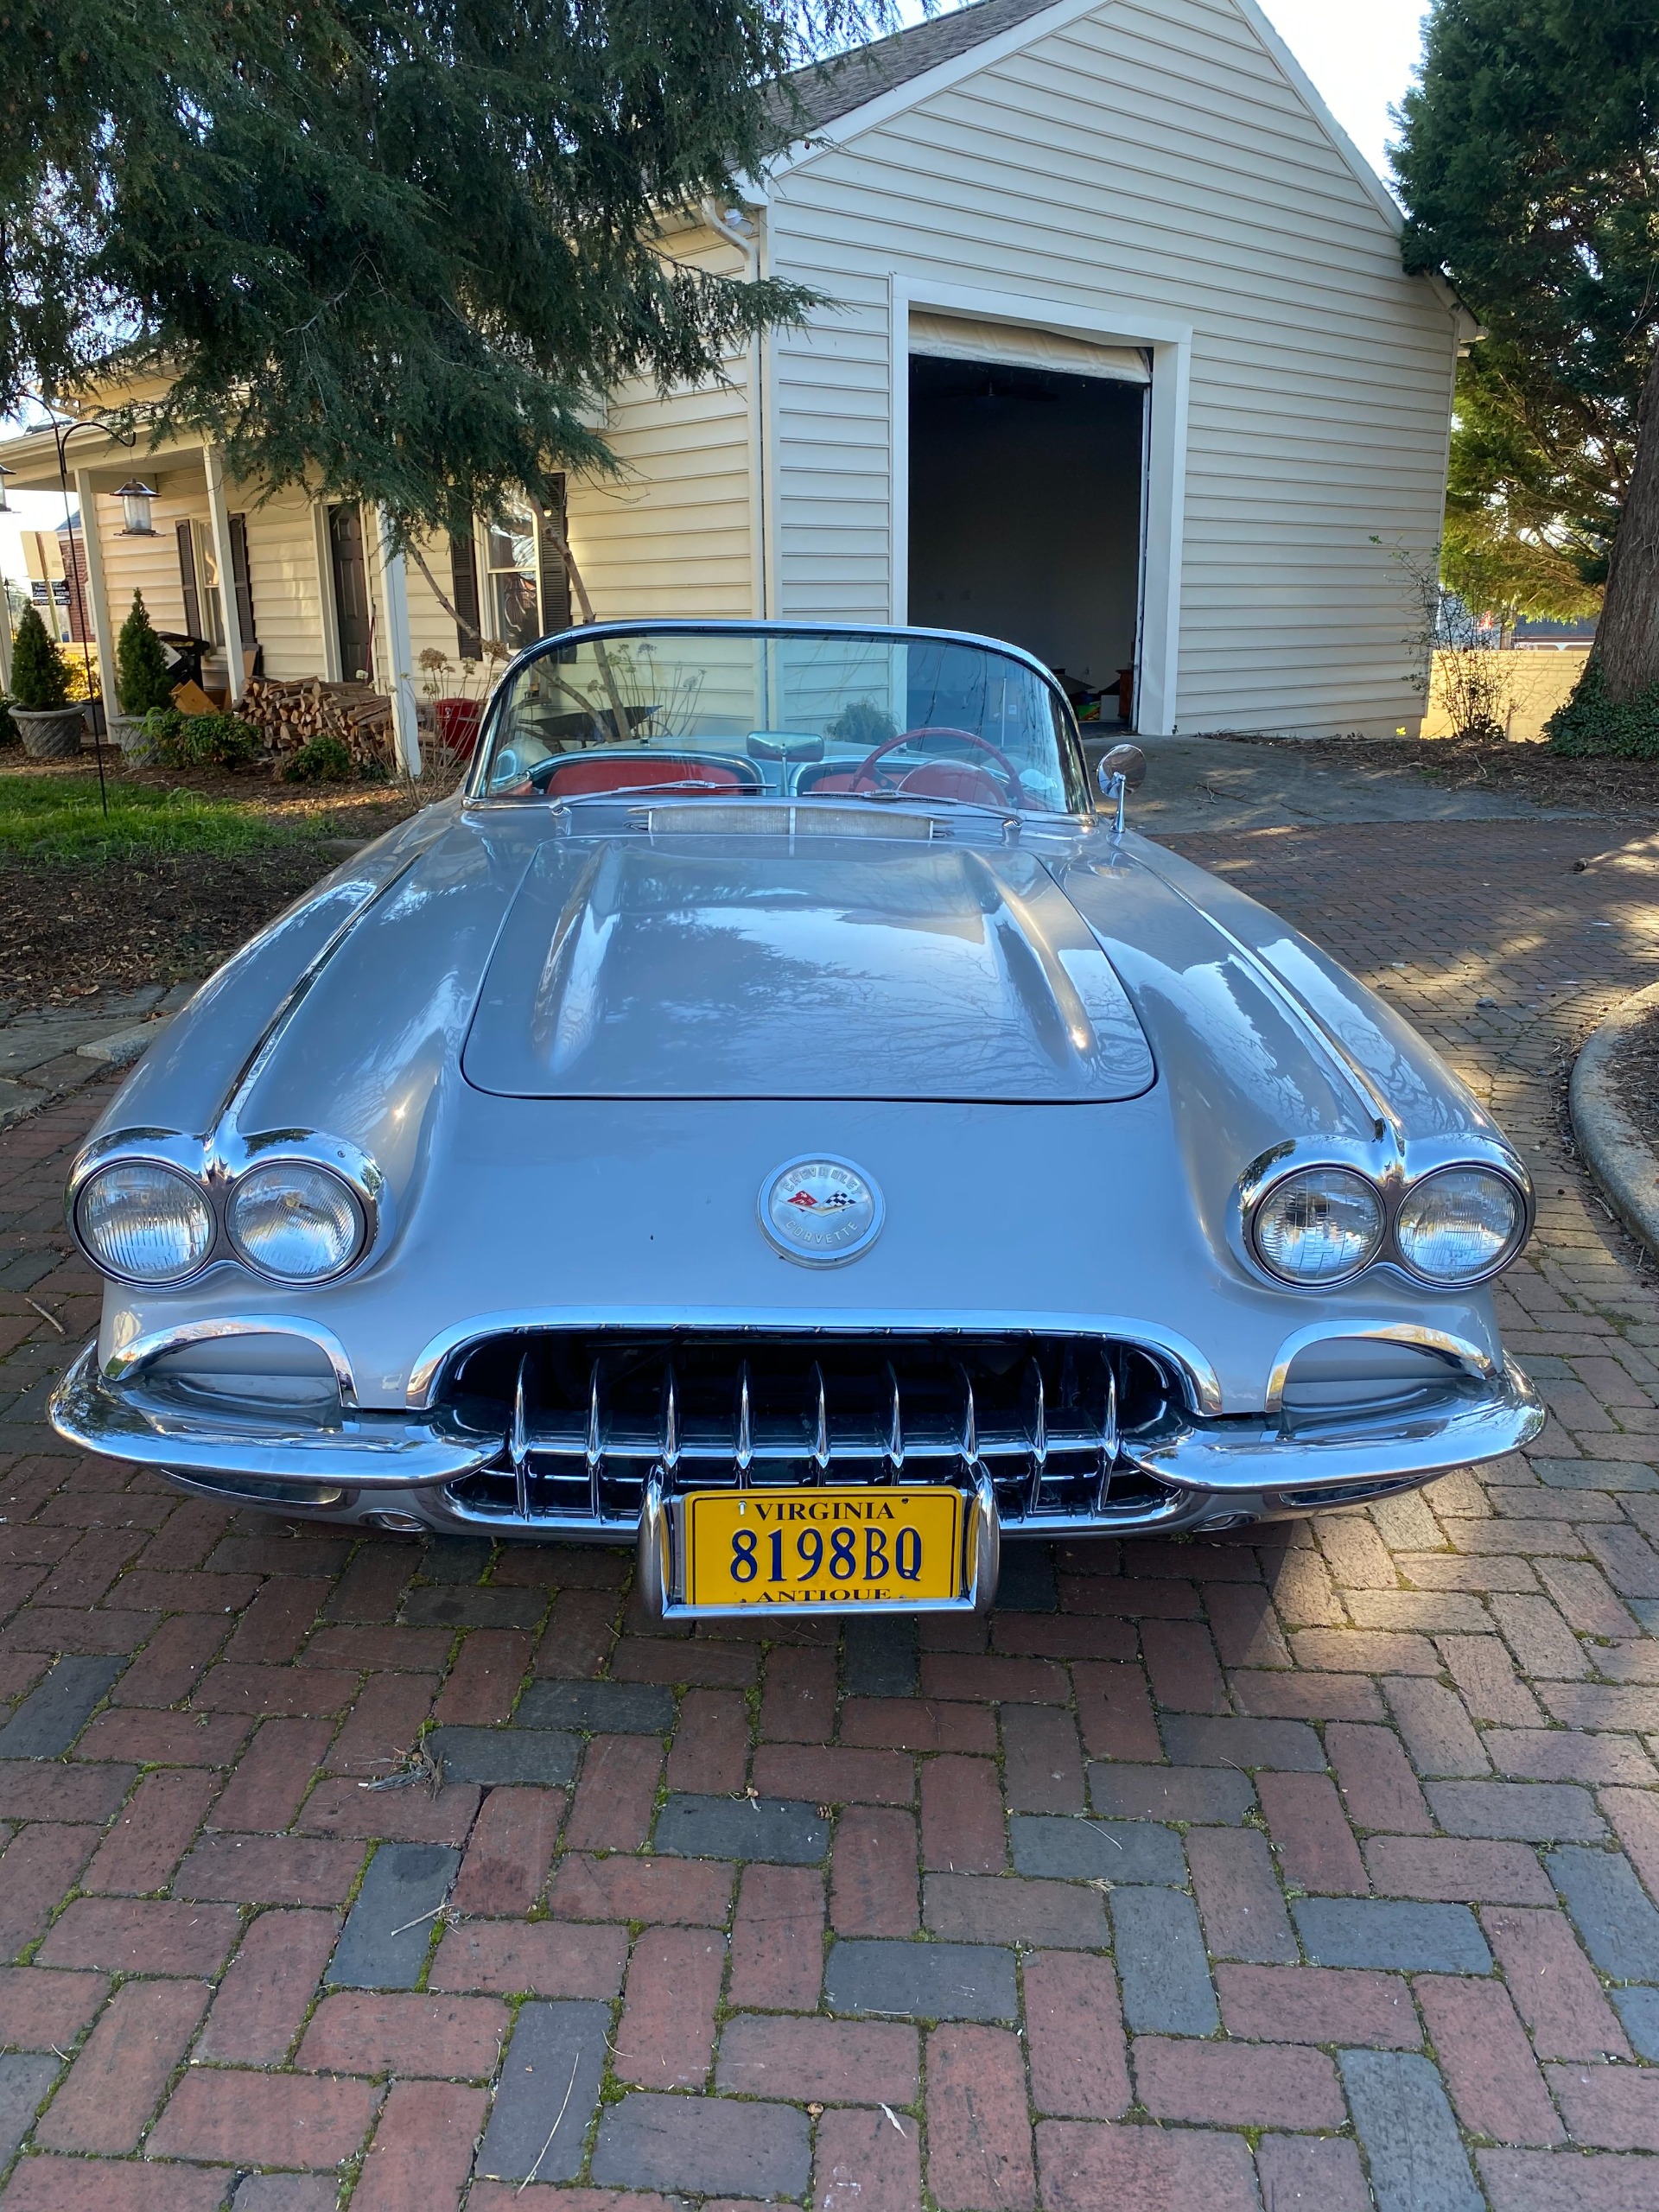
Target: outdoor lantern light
(137,499)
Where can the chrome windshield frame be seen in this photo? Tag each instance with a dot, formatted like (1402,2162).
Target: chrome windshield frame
(472,790)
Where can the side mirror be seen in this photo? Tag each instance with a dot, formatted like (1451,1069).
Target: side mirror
(1126,761)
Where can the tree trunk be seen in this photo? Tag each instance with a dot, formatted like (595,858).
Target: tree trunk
(1627,636)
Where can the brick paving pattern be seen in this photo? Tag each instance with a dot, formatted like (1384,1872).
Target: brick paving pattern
(1316,1870)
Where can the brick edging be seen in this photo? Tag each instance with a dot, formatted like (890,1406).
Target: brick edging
(1618,1156)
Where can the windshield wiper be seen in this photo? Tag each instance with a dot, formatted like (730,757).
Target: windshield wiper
(634,790)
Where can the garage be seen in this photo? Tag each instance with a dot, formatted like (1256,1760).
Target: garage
(1026,467)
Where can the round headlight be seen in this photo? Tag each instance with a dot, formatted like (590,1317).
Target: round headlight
(144,1222)
(295,1222)
(1461,1224)
(1318,1226)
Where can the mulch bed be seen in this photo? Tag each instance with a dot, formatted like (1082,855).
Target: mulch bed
(1523,769)
(69,930)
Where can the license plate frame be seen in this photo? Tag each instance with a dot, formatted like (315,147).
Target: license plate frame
(943,1517)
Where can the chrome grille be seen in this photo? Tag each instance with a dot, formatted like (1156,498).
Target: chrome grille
(585,1417)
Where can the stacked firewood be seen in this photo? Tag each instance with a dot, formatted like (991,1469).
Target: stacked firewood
(290,715)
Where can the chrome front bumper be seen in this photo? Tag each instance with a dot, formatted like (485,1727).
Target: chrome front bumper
(347,1465)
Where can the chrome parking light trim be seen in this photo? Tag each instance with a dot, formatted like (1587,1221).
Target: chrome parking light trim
(1469,1356)
(130,1360)
(169,1429)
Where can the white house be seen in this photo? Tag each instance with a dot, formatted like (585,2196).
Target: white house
(1117,359)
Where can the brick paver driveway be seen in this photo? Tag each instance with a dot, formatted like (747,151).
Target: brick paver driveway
(1210,1873)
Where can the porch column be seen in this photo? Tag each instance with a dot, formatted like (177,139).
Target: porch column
(218,523)
(400,649)
(98,600)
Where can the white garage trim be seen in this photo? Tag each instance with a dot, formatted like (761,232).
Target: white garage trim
(1170,345)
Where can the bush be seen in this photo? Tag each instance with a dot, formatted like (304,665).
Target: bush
(319,760)
(142,681)
(1591,723)
(177,740)
(40,678)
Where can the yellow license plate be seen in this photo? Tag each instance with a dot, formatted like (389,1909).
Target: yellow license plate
(821,1547)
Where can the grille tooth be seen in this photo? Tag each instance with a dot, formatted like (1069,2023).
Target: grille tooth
(745,1455)
(969,1423)
(1108,1438)
(1036,1430)
(895,1429)
(821,1423)
(518,1441)
(583,1418)
(594,1450)
(670,1453)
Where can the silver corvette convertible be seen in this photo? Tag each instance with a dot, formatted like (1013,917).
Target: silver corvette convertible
(777,1115)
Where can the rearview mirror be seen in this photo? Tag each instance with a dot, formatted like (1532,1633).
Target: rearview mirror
(1128,761)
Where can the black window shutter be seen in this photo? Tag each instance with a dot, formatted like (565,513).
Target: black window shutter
(187,581)
(243,581)
(463,592)
(555,577)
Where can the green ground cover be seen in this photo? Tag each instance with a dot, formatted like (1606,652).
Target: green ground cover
(60,818)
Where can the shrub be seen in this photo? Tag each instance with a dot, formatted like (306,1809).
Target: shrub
(142,681)
(319,760)
(177,740)
(40,678)
(1590,722)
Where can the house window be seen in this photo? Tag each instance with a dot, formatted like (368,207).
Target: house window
(515,595)
(199,580)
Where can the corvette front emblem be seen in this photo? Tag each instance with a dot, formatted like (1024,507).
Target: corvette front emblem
(820,1211)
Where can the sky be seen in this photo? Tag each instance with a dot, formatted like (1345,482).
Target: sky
(1360,53)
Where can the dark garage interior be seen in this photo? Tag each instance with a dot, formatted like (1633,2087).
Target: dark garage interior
(1024,512)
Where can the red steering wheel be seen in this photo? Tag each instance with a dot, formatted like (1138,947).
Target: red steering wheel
(1010,774)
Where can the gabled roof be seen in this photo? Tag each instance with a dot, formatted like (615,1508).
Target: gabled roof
(829,90)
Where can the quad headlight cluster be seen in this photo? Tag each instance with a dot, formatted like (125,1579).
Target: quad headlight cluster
(292,1221)
(1453,1227)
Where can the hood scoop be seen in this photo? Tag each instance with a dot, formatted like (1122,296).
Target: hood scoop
(757,967)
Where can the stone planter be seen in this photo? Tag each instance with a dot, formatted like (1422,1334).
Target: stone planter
(53,735)
(125,731)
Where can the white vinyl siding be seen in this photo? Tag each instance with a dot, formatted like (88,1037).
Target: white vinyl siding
(670,534)
(1151,156)
(283,576)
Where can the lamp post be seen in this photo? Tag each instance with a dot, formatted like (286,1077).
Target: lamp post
(63,431)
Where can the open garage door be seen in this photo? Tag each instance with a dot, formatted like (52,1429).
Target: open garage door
(1027,461)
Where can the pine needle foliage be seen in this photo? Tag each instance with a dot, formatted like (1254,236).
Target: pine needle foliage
(1528,158)
(140,673)
(394,250)
(39,677)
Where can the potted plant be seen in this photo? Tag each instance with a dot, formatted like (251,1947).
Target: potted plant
(47,722)
(142,679)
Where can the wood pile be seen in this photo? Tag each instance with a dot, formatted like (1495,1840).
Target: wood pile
(290,715)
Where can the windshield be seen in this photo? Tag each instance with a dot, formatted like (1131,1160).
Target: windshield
(741,712)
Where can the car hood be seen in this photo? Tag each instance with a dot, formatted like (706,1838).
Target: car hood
(759,966)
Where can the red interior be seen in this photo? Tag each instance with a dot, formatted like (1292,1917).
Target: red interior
(577,776)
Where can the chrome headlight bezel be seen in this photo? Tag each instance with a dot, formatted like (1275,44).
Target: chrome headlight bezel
(1511,1249)
(1305,1170)
(150,1164)
(1393,1182)
(216,1167)
(296,1165)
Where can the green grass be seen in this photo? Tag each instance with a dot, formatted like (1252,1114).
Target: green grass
(56,818)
